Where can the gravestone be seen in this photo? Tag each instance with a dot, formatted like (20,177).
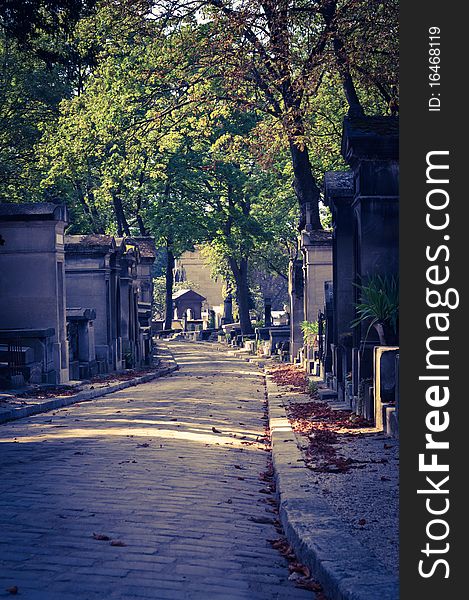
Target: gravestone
(92,272)
(32,284)
(385,379)
(278,338)
(267,312)
(296,293)
(227,310)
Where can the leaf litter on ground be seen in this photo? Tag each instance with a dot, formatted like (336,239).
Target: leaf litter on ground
(319,423)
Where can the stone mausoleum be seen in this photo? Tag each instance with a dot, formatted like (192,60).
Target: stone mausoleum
(33,336)
(71,306)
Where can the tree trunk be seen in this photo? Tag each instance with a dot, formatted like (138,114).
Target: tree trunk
(305,186)
(96,217)
(329,13)
(386,334)
(170,261)
(122,225)
(141,226)
(380,331)
(355,107)
(240,274)
(86,208)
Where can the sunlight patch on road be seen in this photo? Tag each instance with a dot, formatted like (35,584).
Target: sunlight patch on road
(207,437)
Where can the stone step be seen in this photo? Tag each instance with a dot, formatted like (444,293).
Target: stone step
(327,394)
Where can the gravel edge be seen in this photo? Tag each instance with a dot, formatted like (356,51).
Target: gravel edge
(53,403)
(345,569)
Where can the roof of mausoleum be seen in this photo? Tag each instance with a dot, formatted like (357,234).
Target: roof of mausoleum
(337,184)
(341,182)
(90,244)
(33,211)
(146,245)
(370,138)
(188,292)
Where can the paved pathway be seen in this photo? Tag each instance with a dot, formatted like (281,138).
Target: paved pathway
(143,466)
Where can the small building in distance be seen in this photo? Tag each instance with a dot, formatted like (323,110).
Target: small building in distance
(188,304)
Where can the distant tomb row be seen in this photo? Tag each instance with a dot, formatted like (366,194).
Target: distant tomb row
(71,307)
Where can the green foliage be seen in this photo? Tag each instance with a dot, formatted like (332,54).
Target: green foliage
(312,388)
(181,125)
(310,331)
(326,217)
(379,302)
(30,93)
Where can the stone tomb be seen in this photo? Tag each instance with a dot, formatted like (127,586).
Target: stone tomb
(33,342)
(316,247)
(188,303)
(370,145)
(92,271)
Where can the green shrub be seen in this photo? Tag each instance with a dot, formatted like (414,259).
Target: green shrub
(310,332)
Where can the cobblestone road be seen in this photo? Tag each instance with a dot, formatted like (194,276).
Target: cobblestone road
(144,467)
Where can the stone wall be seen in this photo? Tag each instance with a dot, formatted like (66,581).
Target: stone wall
(190,267)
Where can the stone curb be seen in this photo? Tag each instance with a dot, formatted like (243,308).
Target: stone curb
(54,403)
(345,569)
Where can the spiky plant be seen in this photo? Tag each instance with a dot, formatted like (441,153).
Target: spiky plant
(379,306)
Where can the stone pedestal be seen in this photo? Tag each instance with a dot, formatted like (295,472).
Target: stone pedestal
(82,351)
(32,282)
(316,247)
(297,315)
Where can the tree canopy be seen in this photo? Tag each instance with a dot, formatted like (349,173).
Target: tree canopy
(195,121)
